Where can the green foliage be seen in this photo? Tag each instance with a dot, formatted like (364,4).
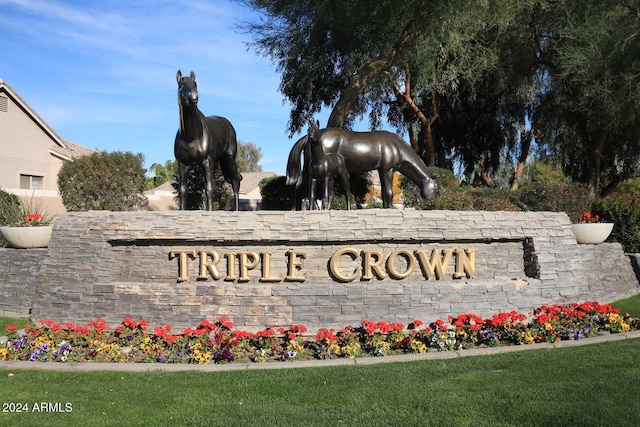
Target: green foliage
(10,212)
(447,183)
(276,194)
(543,172)
(472,199)
(570,198)
(10,209)
(162,173)
(454,197)
(624,211)
(102,181)
(248,157)
(196,191)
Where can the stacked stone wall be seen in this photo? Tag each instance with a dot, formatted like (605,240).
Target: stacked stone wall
(318,268)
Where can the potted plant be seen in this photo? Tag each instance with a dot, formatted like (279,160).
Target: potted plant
(24,225)
(591,229)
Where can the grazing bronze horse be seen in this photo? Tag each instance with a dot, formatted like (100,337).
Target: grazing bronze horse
(325,167)
(366,151)
(203,141)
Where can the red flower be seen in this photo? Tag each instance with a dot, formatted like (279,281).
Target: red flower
(11,328)
(33,217)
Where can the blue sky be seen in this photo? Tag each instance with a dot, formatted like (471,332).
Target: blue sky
(102,73)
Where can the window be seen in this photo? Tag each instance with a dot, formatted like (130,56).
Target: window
(31,182)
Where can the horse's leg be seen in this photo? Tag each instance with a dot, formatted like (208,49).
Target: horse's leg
(344,178)
(233,177)
(208,167)
(312,193)
(182,185)
(386,182)
(328,192)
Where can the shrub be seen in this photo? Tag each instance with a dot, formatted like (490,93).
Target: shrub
(447,182)
(197,193)
(570,198)
(102,181)
(276,194)
(10,211)
(472,199)
(624,211)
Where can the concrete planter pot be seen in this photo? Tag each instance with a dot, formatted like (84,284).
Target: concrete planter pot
(592,233)
(27,237)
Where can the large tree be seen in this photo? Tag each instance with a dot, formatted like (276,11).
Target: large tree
(593,102)
(248,157)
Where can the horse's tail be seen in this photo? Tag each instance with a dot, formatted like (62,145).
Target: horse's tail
(293,164)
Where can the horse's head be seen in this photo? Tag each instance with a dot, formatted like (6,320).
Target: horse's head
(313,134)
(187,89)
(429,188)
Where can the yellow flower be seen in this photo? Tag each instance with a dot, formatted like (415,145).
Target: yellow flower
(625,326)
(4,354)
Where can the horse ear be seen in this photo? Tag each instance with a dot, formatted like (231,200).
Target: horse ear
(192,76)
(178,75)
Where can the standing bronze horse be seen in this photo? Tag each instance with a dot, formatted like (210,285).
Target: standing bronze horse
(203,141)
(325,167)
(366,151)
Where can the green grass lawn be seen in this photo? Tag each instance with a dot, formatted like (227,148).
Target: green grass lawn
(584,385)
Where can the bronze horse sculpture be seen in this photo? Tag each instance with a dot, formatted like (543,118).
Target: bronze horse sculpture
(203,141)
(325,167)
(366,151)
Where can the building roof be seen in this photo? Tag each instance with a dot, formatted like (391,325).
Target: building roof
(60,147)
(251,180)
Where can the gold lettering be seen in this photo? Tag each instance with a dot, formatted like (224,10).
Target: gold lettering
(266,269)
(295,265)
(183,262)
(333,265)
(465,263)
(435,266)
(372,261)
(248,261)
(209,267)
(231,266)
(391,267)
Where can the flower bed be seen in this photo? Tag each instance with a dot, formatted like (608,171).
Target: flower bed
(218,342)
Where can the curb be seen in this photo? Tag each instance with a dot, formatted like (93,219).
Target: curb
(358,361)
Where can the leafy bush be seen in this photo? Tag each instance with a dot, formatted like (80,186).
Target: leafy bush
(276,194)
(472,199)
(447,182)
(624,211)
(570,198)
(196,190)
(102,181)
(10,209)
(10,212)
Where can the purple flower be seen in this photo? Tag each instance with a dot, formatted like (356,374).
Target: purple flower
(34,356)
(44,347)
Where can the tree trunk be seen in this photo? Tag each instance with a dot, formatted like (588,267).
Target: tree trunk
(425,122)
(594,170)
(369,72)
(483,172)
(525,142)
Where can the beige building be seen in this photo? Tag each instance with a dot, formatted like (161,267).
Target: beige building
(31,152)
